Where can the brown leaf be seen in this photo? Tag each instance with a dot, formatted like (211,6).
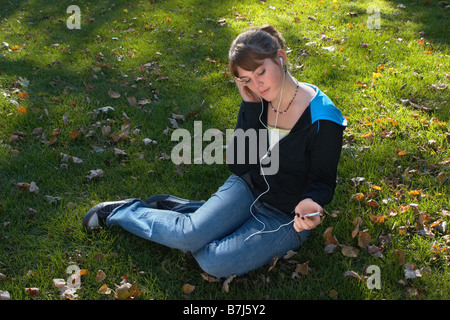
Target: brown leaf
(188,288)
(303,268)
(209,277)
(400,258)
(355,231)
(123,292)
(273,264)
(352,274)
(377,219)
(373,203)
(74,134)
(226,283)
(100,276)
(333,294)
(32,291)
(132,101)
(113,94)
(104,290)
(327,232)
(350,251)
(363,239)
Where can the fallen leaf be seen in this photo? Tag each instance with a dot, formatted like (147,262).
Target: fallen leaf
(303,268)
(355,231)
(333,294)
(358,196)
(32,291)
(21,110)
(59,283)
(327,232)
(209,277)
(289,254)
(124,291)
(373,203)
(377,219)
(350,251)
(273,264)
(132,101)
(363,239)
(94,174)
(410,272)
(352,274)
(113,94)
(100,276)
(104,290)
(188,288)
(329,248)
(226,283)
(4,295)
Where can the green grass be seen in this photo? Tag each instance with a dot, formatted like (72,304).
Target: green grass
(70,72)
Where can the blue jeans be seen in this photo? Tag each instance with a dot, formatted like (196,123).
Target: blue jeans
(222,233)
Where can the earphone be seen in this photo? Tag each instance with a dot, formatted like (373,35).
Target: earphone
(281,61)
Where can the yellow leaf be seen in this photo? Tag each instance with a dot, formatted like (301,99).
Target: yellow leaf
(415,192)
(376,75)
(21,110)
(188,288)
(104,290)
(123,292)
(358,197)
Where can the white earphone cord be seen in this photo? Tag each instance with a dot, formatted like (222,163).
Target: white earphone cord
(262,171)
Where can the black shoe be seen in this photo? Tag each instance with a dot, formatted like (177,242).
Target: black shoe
(96,217)
(165,201)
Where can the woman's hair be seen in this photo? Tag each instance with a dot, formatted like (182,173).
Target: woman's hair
(251,47)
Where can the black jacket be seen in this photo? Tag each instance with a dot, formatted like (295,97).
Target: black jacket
(308,156)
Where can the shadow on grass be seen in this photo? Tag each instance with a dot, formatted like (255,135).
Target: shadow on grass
(431,17)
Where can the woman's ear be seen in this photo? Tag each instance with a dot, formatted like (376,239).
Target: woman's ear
(281,57)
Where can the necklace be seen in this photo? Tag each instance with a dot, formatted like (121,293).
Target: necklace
(289,105)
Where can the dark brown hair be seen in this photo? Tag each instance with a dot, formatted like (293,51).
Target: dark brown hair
(251,47)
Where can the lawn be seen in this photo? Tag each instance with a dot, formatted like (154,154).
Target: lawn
(108,96)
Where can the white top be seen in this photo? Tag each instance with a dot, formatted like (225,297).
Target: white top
(276,134)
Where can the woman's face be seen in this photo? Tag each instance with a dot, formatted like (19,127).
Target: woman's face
(265,81)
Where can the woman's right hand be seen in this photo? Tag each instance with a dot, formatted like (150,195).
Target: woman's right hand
(246,94)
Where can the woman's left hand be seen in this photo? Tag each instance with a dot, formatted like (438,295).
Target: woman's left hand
(305,207)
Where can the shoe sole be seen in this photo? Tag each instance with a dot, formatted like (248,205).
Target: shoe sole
(92,213)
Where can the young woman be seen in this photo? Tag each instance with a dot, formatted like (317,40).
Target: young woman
(254,215)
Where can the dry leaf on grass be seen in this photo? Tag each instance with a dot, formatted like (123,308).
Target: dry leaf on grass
(350,251)
(100,276)
(113,94)
(209,277)
(188,288)
(226,283)
(104,290)
(127,291)
(303,268)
